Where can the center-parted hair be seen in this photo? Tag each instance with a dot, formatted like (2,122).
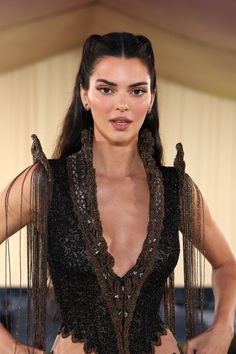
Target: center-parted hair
(96,47)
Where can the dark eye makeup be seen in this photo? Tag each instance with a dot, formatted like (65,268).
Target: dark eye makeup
(134,91)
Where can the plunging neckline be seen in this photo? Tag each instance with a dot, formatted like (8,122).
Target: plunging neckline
(84,195)
(140,254)
(82,178)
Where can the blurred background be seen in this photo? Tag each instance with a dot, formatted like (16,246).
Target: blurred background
(195,47)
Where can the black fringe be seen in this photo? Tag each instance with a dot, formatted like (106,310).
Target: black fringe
(37,232)
(192,228)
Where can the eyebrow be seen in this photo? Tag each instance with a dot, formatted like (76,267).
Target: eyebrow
(113,84)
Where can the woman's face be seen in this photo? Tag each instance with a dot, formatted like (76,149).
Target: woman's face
(119,97)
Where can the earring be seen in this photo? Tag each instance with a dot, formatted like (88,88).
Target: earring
(149,110)
(86,107)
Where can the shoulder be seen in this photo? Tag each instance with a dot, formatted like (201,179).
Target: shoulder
(170,175)
(168,171)
(59,171)
(171,186)
(58,165)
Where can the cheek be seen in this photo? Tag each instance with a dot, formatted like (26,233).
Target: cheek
(100,104)
(141,107)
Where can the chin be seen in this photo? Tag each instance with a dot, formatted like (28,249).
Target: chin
(116,137)
(123,138)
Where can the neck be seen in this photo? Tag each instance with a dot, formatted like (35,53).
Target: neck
(116,161)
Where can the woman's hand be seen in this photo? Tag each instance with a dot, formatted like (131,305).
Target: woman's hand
(215,340)
(9,344)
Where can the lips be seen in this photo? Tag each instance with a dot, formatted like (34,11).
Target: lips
(120,123)
(121,120)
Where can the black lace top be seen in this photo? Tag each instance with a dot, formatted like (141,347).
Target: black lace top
(110,314)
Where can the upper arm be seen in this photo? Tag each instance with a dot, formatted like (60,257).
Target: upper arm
(15,204)
(216,248)
(198,224)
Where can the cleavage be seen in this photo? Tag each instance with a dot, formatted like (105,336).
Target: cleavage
(123,206)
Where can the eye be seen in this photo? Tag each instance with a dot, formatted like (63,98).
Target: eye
(105,90)
(138,92)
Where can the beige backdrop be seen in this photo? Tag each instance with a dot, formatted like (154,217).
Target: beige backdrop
(34,99)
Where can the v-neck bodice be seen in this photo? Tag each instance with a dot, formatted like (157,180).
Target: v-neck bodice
(125,225)
(88,189)
(81,266)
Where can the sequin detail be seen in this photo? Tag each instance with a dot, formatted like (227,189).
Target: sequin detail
(120,294)
(110,314)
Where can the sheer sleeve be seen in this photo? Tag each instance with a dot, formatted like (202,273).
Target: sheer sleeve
(192,228)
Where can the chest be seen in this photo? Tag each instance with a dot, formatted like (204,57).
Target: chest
(123,206)
(123,209)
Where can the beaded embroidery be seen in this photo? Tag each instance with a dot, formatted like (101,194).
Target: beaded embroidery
(120,293)
(69,235)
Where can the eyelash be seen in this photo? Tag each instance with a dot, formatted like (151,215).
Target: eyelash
(108,88)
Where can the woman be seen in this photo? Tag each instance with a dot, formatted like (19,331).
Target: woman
(105,213)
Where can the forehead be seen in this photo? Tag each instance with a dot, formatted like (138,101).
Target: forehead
(117,69)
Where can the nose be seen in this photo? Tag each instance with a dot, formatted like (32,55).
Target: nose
(122,107)
(122,104)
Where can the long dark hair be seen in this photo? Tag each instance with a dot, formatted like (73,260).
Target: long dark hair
(117,44)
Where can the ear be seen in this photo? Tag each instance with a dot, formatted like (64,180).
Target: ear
(153,98)
(153,95)
(84,96)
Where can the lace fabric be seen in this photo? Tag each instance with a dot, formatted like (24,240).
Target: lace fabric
(66,231)
(115,289)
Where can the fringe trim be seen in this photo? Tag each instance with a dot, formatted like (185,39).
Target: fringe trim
(37,233)
(192,228)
